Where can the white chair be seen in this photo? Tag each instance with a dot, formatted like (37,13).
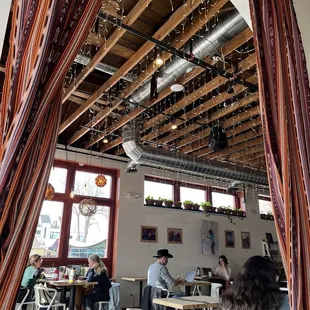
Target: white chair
(165,290)
(215,289)
(45,298)
(101,305)
(24,302)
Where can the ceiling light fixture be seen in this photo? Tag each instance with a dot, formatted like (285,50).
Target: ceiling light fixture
(105,140)
(174,127)
(158,61)
(177,87)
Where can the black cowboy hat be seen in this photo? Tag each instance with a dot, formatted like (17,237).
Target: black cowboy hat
(163,252)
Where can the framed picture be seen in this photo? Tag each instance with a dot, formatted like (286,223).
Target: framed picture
(149,234)
(209,238)
(245,240)
(229,239)
(269,238)
(174,235)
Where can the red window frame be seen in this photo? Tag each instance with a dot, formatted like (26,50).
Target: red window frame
(71,167)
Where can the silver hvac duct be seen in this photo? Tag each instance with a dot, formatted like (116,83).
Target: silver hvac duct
(183,163)
(208,45)
(84,60)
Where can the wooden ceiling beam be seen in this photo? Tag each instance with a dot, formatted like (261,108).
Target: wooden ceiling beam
(117,49)
(177,43)
(246,64)
(254,157)
(205,107)
(233,144)
(240,39)
(106,47)
(160,34)
(230,133)
(244,153)
(205,132)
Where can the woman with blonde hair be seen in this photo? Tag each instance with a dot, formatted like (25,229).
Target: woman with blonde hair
(97,273)
(31,274)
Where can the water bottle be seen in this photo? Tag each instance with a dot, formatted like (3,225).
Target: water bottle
(56,274)
(72,275)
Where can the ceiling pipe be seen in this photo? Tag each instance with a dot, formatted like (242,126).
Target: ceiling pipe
(229,27)
(179,162)
(84,60)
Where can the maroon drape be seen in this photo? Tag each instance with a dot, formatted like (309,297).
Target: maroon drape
(45,37)
(285,111)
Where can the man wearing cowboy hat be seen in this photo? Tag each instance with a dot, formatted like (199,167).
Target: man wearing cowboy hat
(158,274)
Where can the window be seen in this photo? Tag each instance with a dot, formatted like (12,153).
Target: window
(46,244)
(264,205)
(64,235)
(89,233)
(58,178)
(84,185)
(193,194)
(157,189)
(223,199)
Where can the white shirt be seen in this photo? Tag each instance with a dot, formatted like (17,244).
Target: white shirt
(222,272)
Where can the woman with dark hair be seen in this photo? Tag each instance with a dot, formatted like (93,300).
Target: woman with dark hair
(255,288)
(223,271)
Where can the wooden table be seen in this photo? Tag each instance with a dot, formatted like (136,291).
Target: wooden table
(137,279)
(184,303)
(64,284)
(188,285)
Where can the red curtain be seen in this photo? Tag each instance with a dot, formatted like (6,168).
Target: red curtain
(46,36)
(285,111)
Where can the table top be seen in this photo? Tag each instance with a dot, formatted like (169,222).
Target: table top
(196,283)
(75,283)
(134,279)
(188,302)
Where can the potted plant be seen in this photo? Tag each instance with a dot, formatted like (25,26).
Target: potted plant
(263,216)
(149,200)
(269,215)
(188,204)
(240,212)
(168,203)
(220,210)
(233,211)
(177,204)
(196,206)
(159,202)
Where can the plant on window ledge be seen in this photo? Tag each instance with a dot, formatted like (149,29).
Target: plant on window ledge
(207,207)
(270,215)
(168,203)
(177,204)
(149,200)
(159,201)
(188,204)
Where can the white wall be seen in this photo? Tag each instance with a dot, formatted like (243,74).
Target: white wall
(302,8)
(134,257)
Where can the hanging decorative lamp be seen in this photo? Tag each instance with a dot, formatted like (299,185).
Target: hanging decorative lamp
(88,207)
(101,180)
(50,192)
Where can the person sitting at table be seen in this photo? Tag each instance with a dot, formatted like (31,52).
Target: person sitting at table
(32,273)
(158,275)
(223,271)
(255,288)
(97,273)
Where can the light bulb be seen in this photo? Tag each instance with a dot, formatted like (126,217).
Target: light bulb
(174,127)
(158,61)
(72,194)
(105,140)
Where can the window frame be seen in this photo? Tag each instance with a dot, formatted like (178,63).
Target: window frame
(68,202)
(266,198)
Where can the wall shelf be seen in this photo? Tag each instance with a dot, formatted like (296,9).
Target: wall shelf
(196,211)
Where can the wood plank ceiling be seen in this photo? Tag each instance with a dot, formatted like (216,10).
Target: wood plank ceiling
(96,105)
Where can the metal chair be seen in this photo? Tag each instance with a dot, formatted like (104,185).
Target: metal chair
(43,299)
(24,302)
(101,305)
(215,290)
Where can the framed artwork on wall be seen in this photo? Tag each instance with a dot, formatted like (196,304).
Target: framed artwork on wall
(209,238)
(245,240)
(174,235)
(149,234)
(229,239)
